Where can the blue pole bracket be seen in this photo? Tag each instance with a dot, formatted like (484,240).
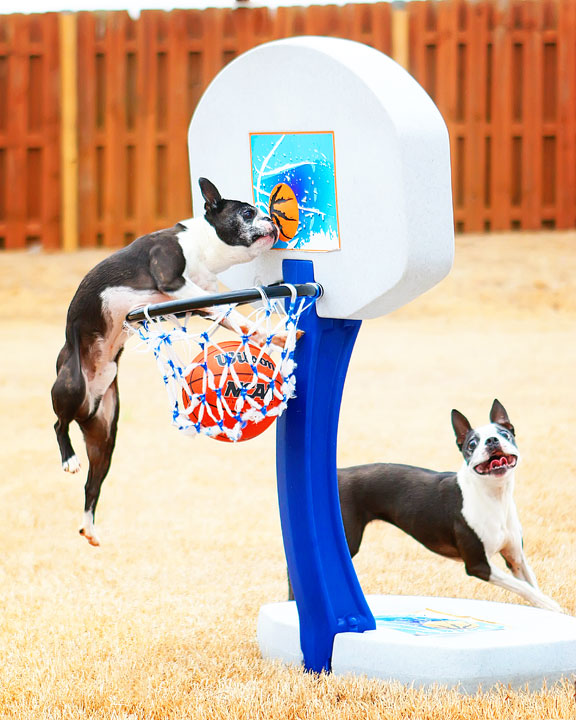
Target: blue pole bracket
(326,589)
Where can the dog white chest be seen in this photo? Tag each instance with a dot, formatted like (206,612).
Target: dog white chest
(206,255)
(489,511)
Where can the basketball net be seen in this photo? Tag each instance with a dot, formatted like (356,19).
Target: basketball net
(179,348)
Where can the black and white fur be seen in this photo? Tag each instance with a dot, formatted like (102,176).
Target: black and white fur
(179,262)
(468,516)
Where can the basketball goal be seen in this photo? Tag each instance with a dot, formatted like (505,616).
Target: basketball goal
(350,156)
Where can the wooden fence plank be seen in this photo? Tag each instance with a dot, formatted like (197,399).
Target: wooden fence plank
(444,20)
(69,130)
(109,129)
(471,97)
(16,146)
(51,221)
(29,146)
(567,115)
(400,36)
(145,162)
(531,117)
(549,113)
(382,28)
(87,188)
(501,122)
(178,200)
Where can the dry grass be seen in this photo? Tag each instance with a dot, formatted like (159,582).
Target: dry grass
(160,621)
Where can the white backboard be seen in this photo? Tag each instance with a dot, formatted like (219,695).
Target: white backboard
(365,155)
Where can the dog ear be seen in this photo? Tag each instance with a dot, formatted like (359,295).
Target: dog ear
(499,416)
(210,194)
(461,427)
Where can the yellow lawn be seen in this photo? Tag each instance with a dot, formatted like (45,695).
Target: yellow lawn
(160,621)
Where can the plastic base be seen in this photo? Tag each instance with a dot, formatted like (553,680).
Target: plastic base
(427,641)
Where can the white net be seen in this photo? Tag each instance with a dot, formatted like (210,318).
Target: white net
(232,383)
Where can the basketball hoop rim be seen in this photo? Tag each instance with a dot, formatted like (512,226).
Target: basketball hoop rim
(238,297)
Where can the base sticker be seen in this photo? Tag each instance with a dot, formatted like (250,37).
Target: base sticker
(431,622)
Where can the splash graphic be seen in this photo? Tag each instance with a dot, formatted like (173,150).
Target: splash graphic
(305,163)
(432,624)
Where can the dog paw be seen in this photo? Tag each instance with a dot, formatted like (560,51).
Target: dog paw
(72,465)
(260,338)
(280,339)
(547,603)
(254,336)
(90,536)
(87,530)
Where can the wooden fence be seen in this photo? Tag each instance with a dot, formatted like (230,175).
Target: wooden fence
(30,210)
(504,77)
(94,108)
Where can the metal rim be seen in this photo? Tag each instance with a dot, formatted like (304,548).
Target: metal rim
(237,297)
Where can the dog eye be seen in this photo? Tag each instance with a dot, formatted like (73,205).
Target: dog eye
(247,213)
(473,444)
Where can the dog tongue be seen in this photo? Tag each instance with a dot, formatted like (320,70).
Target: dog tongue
(498,462)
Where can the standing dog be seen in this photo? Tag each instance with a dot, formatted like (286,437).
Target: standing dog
(469,515)
(179,262)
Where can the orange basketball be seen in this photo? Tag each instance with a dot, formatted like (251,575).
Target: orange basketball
(284,210)
(261,387)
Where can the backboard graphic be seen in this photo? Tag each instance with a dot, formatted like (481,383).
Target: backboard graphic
(294,180)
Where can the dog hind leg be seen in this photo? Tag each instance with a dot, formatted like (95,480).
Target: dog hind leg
(70,462)
(68,396)
(100,437)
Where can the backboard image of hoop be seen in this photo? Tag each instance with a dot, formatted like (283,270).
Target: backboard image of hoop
(294,180)
(354,147)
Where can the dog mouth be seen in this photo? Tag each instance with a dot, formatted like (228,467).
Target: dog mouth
(267,238)
(497,464)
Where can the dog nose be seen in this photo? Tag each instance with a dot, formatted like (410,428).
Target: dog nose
(492,442)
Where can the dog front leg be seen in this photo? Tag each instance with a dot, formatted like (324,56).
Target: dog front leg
(518,565)
(233,320)
(532,594)
(478,565)
(242,326)
(100,437)
(238,323)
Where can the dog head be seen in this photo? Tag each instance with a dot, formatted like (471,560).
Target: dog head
(238,224)
(489,450)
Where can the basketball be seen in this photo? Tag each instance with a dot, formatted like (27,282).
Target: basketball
(284,210)
(244,379)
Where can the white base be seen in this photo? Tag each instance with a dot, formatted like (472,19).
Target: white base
(479,644)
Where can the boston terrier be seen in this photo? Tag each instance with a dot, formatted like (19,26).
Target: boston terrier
(467,516)
(179,262)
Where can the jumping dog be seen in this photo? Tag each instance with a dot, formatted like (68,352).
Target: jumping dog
(179,262)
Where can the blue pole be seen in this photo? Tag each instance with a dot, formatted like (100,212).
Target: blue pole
(326,589)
